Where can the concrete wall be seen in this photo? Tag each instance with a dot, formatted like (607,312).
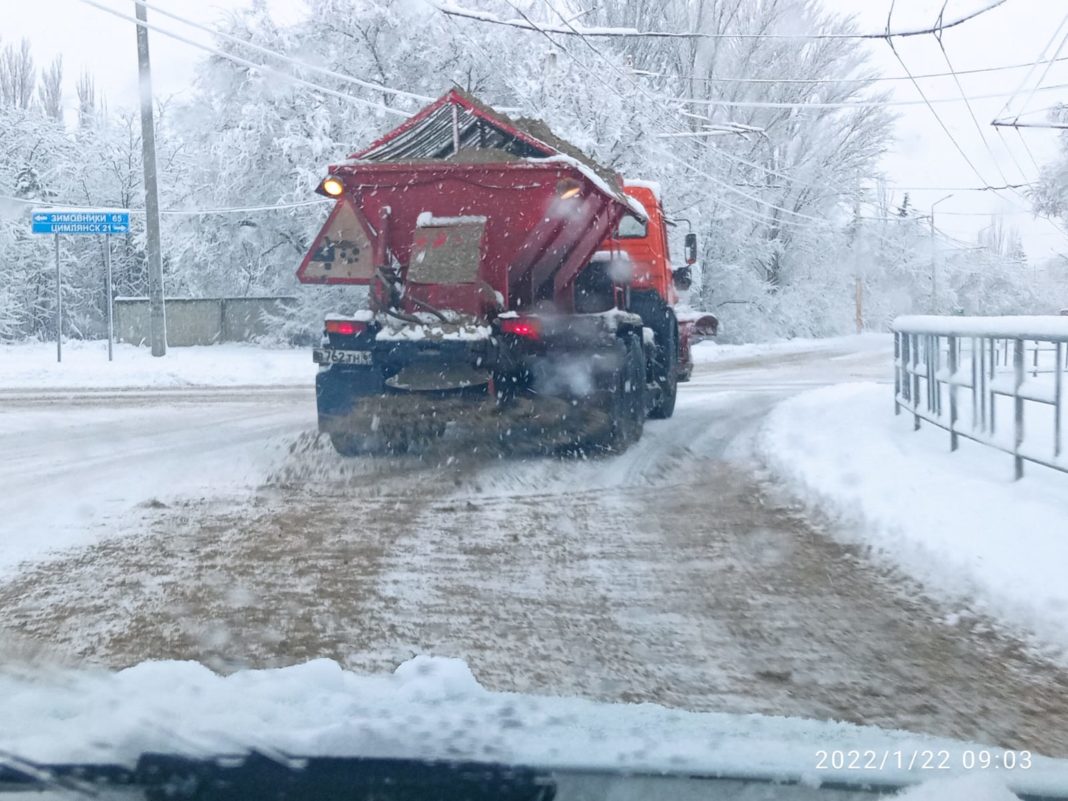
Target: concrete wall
(199,321)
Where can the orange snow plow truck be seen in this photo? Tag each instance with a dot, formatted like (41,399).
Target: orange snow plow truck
(518,291)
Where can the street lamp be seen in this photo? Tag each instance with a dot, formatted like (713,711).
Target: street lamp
(934,266)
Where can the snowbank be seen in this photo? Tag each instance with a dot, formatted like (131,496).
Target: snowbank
(709,351)
(432,707)
(956,521)
(85,365)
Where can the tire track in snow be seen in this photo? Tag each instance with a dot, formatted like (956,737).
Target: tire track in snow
(673,573)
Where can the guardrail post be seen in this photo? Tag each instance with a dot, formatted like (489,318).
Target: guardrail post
(952,342)
(930,364)
(1018,408)
(897,372)
(915,348)
(1058,395)
(989,379)
(991,395)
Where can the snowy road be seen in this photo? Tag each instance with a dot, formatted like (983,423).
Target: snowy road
(675,573)
(70,475)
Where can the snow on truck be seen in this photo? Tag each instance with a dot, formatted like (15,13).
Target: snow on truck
(514,285)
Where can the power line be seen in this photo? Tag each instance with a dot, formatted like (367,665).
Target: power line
(1056,126)
(288,59)
(764,219)
(959,188)
(1027,149)
(183,212)
(1045,72)
(715,180)
(870,79)
(749,214)
(759,217)
(1005,144)
(846,103)
(526,24)
(1031,71)
(971,111)
(941,123)
(251,64)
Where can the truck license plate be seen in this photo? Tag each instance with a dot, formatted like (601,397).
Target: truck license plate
(331,356)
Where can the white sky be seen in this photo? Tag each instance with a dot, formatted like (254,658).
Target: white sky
(1015,33)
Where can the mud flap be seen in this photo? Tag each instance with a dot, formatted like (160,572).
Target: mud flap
(338,391)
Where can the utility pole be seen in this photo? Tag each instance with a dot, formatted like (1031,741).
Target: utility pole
(858,287)
(157,312)
(934,256)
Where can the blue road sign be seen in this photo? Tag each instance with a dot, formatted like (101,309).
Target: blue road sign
(81,221)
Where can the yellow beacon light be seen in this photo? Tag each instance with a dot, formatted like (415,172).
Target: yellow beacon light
(333,186)
(568,188)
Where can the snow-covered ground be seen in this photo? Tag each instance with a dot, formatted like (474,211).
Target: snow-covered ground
(433,707)
(85,364)
(956,521)
(711,351)
(86,442)
(75,473)
(670,574)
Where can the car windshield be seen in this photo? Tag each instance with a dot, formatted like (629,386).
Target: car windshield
(348,412)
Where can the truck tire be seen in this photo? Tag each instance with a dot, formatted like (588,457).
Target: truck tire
(636,388)
(348,445)
(666,376)
(657,315)
(627,402)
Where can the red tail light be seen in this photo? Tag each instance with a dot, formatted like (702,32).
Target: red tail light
(344,327)
(527,327)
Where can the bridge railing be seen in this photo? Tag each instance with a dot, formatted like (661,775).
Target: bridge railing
(996,380)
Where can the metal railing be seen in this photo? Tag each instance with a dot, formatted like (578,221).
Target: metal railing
(1021,360)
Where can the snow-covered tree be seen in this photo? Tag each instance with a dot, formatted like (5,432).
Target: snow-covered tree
(779,188)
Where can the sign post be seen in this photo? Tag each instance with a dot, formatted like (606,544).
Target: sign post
(111,295)
(59,305)
(81,221)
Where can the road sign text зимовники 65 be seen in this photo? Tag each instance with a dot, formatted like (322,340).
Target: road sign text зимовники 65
(58,221)
(51,221)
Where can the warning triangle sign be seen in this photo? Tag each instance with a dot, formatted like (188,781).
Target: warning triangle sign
(342,252)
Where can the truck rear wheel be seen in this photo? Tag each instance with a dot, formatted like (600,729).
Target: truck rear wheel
(627,402)
(348,445)
(666,376)
(635,388)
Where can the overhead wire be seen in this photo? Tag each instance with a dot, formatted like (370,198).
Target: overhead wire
(530,25)
(869,79)
(185,212)
(378,87)
(753,216)
(1015,161)
(1027,148)
(718,182)
(526,24)
(247,63)
(1034,66)
(761,217)
(968,102)
(1045,72)
(942,123)
(931,108)
(801,104)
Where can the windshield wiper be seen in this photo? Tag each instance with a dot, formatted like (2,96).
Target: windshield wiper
(257,777)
